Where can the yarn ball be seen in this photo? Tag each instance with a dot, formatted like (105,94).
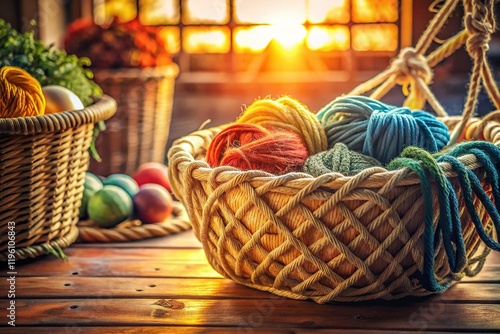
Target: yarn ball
(20,94)
(253,147)
(289,114)
(380,130)
(339,159)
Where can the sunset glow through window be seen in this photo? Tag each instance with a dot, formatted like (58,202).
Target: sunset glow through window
(248,26)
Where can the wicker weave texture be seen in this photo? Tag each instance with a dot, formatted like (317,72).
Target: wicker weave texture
(329,238)
(43,161)
(138,133)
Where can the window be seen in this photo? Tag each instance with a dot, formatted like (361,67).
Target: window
(326,31)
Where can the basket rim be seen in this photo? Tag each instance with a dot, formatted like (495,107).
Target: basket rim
(104,107)
(171,70)
(181,159)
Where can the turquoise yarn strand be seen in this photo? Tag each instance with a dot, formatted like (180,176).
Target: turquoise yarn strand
(380,130)
(489,156)
(428,278)
(449,226)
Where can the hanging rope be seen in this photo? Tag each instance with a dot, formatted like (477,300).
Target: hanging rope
(412,70)
(479,23)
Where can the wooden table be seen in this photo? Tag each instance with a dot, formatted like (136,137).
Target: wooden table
(165,285)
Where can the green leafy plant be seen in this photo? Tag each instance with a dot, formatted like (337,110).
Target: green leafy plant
(50,66)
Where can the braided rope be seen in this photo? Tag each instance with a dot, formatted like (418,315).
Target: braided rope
(54,247)
(134,230)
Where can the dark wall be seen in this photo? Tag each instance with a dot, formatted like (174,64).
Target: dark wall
(10,10)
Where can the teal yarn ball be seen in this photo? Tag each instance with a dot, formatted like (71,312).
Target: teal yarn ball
(380,130)
(339,159)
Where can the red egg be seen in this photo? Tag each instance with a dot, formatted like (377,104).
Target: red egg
(152,172)
(152,204)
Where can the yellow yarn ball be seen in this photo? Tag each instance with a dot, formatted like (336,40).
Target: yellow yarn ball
(20,94)
(288,113)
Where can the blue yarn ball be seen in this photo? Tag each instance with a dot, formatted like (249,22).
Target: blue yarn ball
(380,130)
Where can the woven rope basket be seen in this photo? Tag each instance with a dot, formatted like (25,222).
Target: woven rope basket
(43,161)
(138,133)
(334,237)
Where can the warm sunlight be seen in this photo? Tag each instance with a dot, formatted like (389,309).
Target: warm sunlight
(248,26)
(288,35)
(325,38)
(251,39)
(256,39)
(374,37)
(105,10)
(328,11)
(270,12)
(203,11)
(364,11)
(159,12)
(206,39)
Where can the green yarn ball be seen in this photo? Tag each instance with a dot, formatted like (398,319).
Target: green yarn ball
(339,159)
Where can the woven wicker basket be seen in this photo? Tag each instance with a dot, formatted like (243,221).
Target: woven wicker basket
(329,238)
(43,161)
(344,238)
(138,133)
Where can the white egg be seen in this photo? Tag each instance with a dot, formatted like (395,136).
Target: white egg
(60,99)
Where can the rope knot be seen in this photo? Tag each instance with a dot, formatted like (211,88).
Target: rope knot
(410,64)
(479,30)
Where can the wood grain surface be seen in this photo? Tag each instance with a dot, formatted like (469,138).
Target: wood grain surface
(161,287)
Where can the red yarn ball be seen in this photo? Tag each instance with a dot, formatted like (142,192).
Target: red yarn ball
(250,147)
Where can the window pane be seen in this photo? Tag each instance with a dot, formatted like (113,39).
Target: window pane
(206,39)
(203,11)
(326,38)
(256,39)
(375,10)
(329,11)
(252,39)
(159,12)
(171,36)
(375,37)
(270,12)
(105,10)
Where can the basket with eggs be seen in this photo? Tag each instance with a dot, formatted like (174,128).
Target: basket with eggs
(49,106)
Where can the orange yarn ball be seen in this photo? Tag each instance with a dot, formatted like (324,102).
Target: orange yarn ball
(20,94)
(253,147)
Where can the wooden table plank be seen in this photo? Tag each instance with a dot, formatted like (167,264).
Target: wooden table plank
(203,288)
(122,289)
(166,254)
(115,268)
(272,313)
(161,263)
(184,239)
(191,330)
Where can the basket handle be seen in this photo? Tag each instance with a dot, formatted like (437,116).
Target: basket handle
(103,109)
